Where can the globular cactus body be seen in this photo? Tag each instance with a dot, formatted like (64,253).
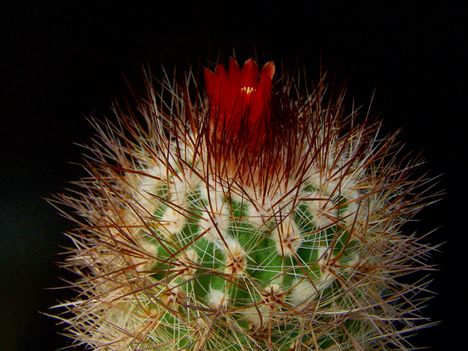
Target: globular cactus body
(244,220)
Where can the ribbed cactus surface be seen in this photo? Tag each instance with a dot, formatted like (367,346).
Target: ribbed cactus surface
(257,216)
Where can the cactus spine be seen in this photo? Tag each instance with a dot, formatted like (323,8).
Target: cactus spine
(244,219)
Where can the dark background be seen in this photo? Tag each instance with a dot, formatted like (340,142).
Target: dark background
(61,61)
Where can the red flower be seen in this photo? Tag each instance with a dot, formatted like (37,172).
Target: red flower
(240,100)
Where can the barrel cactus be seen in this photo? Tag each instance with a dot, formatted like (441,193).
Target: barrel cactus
(245,213)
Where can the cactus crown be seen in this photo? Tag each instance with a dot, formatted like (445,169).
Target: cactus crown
(247,219)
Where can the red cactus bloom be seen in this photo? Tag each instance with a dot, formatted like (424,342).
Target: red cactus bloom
(240,100)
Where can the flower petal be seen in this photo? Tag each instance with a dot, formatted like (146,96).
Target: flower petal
(249,74)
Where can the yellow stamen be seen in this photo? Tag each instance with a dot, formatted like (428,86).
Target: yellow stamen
(247,90)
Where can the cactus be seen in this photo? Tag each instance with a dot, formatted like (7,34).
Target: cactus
(251,215)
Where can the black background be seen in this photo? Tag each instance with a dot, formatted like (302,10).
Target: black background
(61,61)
